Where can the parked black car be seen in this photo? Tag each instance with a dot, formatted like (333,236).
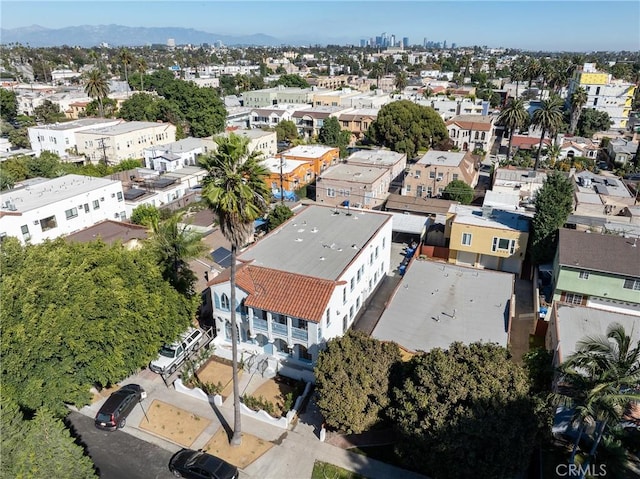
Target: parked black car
(113,413)
(199,465)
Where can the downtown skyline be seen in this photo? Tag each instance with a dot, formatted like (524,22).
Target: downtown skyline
(529,25)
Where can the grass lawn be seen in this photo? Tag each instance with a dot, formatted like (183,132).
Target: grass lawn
(324,470)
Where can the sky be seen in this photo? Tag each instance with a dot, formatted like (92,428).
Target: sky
(584,25)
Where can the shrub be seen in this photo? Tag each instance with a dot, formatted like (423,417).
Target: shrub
(259,403)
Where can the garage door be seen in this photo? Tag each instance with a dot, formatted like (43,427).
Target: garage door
(489,262)
(465,258)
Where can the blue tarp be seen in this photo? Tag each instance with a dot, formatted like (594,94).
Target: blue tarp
(288,195)
(259,222)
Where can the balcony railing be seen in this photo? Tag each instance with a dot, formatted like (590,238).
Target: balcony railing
(298,333)
(260,324)
(278,328)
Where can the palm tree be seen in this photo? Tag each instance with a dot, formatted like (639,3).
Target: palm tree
(513,116)
(175,244)
(401,81)
(127,59)
(377,70)
(236,191)
(599,381)
(532,70)
(578,100)
(97,86)
(549,118)
(517,75)
(141,66)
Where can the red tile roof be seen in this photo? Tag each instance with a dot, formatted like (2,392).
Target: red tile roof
(291,294)
(525,142)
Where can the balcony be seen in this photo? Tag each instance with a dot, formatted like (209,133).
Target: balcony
(301,334)
(280,329)
(260,324)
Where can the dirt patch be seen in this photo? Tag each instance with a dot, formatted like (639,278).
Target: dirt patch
(252,448)
(178,425)
(216,372)
(275,392)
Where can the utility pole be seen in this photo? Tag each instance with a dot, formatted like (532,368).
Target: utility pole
(281,181)
(103,147)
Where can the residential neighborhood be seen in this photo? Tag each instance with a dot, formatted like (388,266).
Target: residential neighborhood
(351,258)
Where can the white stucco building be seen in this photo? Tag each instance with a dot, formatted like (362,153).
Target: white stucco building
(46,209)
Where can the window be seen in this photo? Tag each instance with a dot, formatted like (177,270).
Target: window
(583,275)
(344,296)
(224,302)
(408,188)
(304,325)
(344,323)
(376,252)
(331,192)
(48,223)
(432,174)
(358,302)
(86,207)
(384,242)
(633,284)
(120,196)
(417,174)
(25,232)
(72,213)
(503,245)
(466,239)
(358,274)
(353,283)
(351,312)
(455,176)
(573,298)
(96,204)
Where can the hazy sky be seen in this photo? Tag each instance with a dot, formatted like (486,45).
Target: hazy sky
(535,25)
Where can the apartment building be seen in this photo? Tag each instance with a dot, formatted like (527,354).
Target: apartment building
(431,174)
(471,132)
(60,138)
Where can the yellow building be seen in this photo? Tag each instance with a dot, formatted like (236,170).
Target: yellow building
(320,156)
(487,238)
(604,93)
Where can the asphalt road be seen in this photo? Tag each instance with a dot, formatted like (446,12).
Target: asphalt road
(119,455)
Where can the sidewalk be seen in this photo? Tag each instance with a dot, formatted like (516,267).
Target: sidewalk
(295,450)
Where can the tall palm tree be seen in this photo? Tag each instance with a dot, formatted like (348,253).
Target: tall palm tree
(377,70)
(97,87)
(127,59)
(141,67)
(549,118)
(578,100)
(532,70)
(599,381)
(517,74)
(175,244)
(401,81)
(236,191)
(513,116)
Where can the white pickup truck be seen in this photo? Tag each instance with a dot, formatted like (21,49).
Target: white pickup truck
(172,355)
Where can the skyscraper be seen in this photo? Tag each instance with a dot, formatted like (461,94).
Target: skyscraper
(405,42)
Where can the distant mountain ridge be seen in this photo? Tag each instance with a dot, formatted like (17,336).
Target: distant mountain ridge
(120,36)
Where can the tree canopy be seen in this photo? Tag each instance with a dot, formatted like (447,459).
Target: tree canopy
(554,203)
(286,130)
(458,190)
(145,215)
(332,134)
(292,80)
(352,381)
(406,127)
(592,121)
(8,104)
(75,315)
(278,215)
(455,411)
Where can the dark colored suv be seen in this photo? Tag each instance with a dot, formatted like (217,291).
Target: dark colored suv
(113,413)
(200,465)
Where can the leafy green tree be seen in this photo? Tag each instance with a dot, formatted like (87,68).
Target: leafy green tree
(109,108)
(286,130)
(47,165)
(75,315)
(513,116)
(19,137)
(145,215)
(236,191)
(96,86)
(8,104)
(406,127)
(278,215)
(292,80)
(140,107)
(40,447)
(48,112)
(592,121)
(599,382)
(352,381)
(578,100)
(455,410)
(549,118)
(458,190)
(332,134)
(554,204)
(175,244)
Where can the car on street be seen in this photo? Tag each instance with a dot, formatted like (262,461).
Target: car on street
(113,413)
(200,465)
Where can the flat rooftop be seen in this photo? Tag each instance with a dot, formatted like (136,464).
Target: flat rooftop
(495,218)
(288,165)
(80,123)
(376,157)
(319,241)
(354,173)
(51,191)
(126,127)
(442,158)
(577,322)
(308,151)
(437,303)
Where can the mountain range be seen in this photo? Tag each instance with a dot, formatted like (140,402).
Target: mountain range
(87,36)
